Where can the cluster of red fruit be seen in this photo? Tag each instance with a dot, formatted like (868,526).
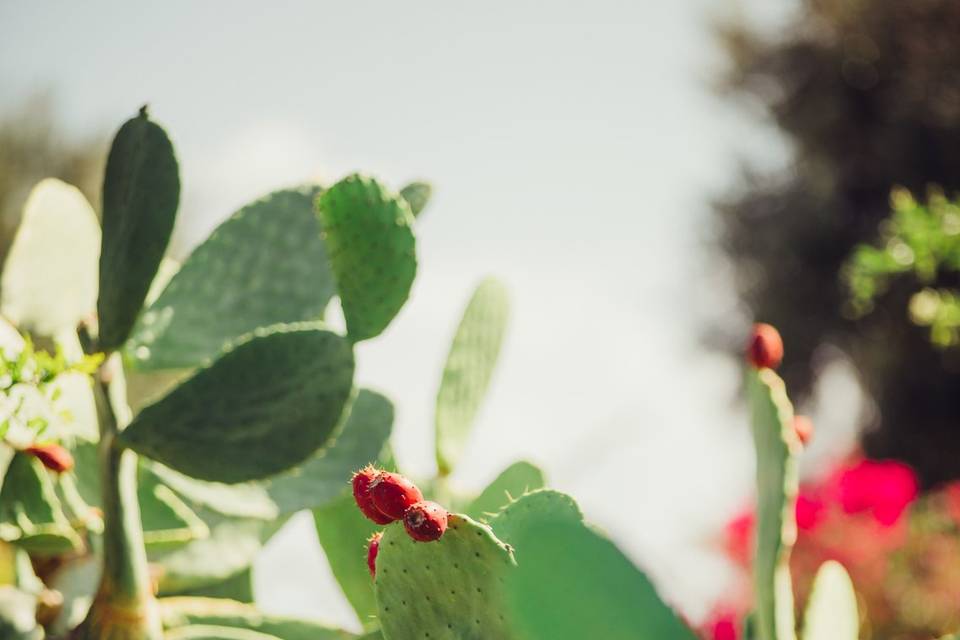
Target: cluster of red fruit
(765,351)
(385,497)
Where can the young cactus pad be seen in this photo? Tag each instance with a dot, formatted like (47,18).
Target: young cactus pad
(832,611)
(776,449)
(372,252)
(450,589)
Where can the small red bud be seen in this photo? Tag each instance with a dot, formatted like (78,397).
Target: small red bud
(803,427)
(765,347)
(373,548)
(52,455)
(425,521)
(361,493)
(393,494)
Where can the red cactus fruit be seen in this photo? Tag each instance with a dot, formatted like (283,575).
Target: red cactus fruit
(425,521)
(803,427)
(373,548)
(361,493)
(393,494)
(765,347)
(52,455)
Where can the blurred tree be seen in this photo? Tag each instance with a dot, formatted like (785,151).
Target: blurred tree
(868,94)
(32,147)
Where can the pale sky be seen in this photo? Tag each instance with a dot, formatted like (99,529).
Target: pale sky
(573,147)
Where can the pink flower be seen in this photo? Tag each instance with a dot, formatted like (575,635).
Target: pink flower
(722,625)
(810,511)
(884,488)
(738,537)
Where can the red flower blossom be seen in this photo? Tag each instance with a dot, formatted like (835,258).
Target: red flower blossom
(884,488)
(810,511)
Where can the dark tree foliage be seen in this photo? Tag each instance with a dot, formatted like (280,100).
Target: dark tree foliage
(868,94)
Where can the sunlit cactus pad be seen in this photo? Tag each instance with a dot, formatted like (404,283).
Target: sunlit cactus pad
(450,589)
(534,508)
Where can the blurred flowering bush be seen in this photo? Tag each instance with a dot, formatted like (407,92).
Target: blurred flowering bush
(901,549)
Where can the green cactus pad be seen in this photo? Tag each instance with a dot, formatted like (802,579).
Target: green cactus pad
(776,448)
(469,369)
(832,610)
(450,589)
(372,251)
(264,406)
(571,584)
(315,483)
(141,191)
(417,195)
(31,515)
(213,632)
(265,265)
(322,478)
(177,613)
(343,533)
(49,280)
(207,563)
(514,481)
(533,509)
(166,519)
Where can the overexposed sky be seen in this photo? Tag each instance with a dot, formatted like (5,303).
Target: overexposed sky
(573,148)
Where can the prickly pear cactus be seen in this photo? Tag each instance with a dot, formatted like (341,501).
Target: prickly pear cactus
(535,508)
(777,447)
(450,589)
(832,611)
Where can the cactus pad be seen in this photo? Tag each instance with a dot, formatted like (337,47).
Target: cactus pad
(776,448)
(450,589)
(264,406)
(372,252)
(189,613)
(832,611)
(516,480)
(469,369)
(535,508)
(264,265)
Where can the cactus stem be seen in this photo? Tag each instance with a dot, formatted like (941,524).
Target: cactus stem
(124,607)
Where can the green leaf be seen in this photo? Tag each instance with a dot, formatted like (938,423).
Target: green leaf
(832,610)
(49,279)
(267,404)
(514,481)
(372,251)
(572,584)
(343,533)
(141,190)
(776,449)
(265,265)
(31,515)
(180,611)
(417,195)
(325,476)
(470,365)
